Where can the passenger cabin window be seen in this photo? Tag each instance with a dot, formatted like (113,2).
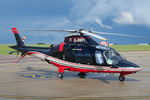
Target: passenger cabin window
(99,57)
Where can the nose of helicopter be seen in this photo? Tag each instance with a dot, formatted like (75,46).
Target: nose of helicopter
(135,67)
(128,65)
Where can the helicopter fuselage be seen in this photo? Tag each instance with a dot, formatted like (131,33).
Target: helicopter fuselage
(82,54)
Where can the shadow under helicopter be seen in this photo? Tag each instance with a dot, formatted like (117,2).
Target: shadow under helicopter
(41,73)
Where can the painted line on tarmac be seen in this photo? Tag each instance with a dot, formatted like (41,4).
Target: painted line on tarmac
(50,98)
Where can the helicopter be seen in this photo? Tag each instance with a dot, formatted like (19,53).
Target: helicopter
(79,53)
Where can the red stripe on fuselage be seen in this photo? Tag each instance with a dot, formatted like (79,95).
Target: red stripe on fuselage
(85,67)
(61,47)
(89,70)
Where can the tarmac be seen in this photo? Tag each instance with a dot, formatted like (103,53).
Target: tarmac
(32,79)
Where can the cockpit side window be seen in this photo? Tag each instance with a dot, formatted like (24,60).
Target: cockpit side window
(112,57)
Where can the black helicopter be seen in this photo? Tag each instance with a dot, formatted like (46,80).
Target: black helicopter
(80,53)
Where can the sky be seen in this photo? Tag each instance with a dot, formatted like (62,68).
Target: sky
(119,16)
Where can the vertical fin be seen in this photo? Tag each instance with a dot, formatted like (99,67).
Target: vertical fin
(19,41)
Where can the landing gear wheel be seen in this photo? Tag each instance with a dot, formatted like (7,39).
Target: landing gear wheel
(60,75)
(82,75)
(121,78)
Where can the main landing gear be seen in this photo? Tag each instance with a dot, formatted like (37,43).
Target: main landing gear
(121,77)
(82,75)
(60,75)
(61,72)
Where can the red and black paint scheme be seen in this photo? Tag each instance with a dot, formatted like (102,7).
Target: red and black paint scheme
(79,53)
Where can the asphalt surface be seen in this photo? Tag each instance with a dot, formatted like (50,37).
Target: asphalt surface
(32,79)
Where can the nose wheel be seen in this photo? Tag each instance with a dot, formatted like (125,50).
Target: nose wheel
(121,78)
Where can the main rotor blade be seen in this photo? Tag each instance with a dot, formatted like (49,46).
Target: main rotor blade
(69,31)
(91,34)
(117,34)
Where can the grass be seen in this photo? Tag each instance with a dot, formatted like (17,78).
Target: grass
(4,49)
(131,47)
